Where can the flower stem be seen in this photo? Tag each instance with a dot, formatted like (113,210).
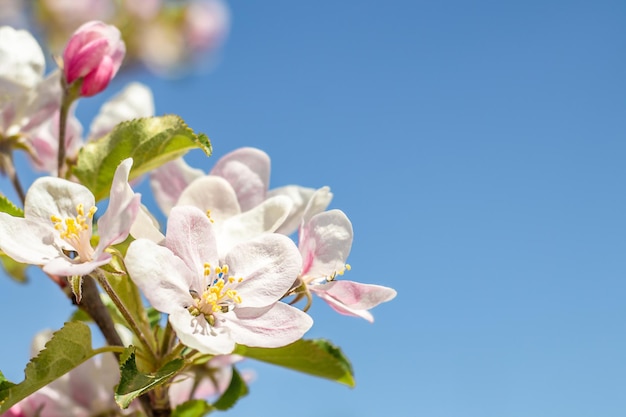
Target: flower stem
(12,174)
(70,93)
(126,314)
(93,305)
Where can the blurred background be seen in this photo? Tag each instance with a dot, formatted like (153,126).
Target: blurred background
(478,148)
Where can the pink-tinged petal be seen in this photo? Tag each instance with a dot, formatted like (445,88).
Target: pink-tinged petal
(64,266)
(248,171)
(264,218)
(22,61)
(317,204)
(98,79)
(50,196)
(168,182)
(211,193)
(277,326)
(146,227)
(27,241)
(190,237)
(114,226)
(162,277)
(325,243)
(353,298)
(85,60)
(301,198)
(45,101)
(196,333)
(134,101)
(269,265)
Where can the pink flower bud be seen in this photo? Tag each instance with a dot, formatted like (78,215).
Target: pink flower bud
(94,53)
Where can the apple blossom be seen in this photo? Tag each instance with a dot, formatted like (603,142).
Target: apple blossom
(248,172)
(325,241)
(28,98)
(93,54)
(215,302)
(56,229)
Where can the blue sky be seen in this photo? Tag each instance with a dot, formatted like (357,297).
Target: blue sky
(477,147)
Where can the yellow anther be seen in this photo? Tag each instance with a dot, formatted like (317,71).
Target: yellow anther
(208,214)
(240,280)
(231,280)
(55,219)
(92,211)
(348,267)
(225,269)
(218,270)
(80,209)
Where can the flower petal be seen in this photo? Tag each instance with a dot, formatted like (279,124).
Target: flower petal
(146,227)
(269,265)
(264,218)
(27,241)
(168,182)
(22,60)
(276,326)
(211,193)
(49,196)
(353,298)
(302,197)
(248,171)
(190,237)
(116,222)
(163,278)
(64,266)
(325,243)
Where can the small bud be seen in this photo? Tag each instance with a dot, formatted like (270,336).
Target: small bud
(93,54)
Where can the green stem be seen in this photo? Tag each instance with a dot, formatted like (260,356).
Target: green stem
(126,314)
(70,93)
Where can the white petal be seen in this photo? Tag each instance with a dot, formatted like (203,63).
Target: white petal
(212,193)
(168,182)
(163,278)
(146,227)
(269,265)
(116,222)
(317,203)
(277,326)
(64,266)
(27,241)
(248,171)
(264,218)
(325,243)
(21,60)
(196,333)
(300,197)
(190,237)
(50,196)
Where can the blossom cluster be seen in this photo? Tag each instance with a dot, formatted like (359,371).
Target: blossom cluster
(225,273)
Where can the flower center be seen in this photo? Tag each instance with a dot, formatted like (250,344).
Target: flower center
(219,295)
(77,231)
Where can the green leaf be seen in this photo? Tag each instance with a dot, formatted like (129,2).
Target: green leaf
(151,142)
(76,284)
(314,357)
(7,206)
(14,269)
(233,393)
(68,348)
(133,383)
(193,408)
